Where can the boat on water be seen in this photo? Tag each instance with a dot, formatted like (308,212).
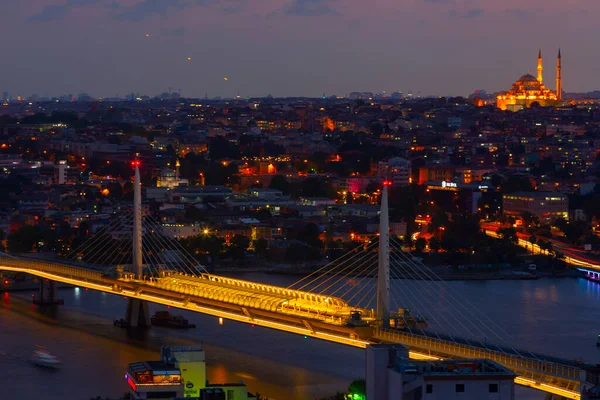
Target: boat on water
(164,318)
(43,358)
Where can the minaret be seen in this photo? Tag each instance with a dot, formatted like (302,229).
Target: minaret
(540,67)
(558,77)
(177,165)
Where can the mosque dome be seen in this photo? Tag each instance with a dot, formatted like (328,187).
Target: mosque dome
(528,82)
(527,78)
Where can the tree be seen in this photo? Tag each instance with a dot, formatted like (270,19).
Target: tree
(260,246)
(349,199)
(115,190)
(516,183)
(533,241)
(238,246)
(219,148)
(434,244)
(279,182)
(509,235)
(420,245)
(358,389)
(310,235)
(195,214)
(530,221)
(208,244)
(298,252)
(372,187)
(31,238)
(316,187)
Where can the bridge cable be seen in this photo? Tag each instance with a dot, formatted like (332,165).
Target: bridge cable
(332,272)
(116,222)
(101,239)
(100,242)
(361,283)
(159,240)
(113,252)
(350,274)
(154,254)
(418,297)
(116,248)
(414,295)
(340,270)
(370,258)
(348,255)
(154,258)
(434,277)
(183,253)
(454,293)
(419,279)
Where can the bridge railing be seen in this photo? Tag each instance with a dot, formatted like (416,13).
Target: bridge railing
(52,268)
(464,350)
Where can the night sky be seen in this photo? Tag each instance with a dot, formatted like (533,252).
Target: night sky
(292,47)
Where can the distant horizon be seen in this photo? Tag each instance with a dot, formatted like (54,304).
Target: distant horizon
(214,98)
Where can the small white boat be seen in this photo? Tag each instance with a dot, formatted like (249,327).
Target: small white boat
(42,358)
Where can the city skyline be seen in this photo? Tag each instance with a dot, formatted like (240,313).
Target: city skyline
(294,48)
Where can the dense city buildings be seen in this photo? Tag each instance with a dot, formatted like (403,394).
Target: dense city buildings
(297,180)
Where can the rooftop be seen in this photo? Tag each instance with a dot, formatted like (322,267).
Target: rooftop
(535,194)
(462,367)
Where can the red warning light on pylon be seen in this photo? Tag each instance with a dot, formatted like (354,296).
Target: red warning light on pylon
(136,163)
(387,183)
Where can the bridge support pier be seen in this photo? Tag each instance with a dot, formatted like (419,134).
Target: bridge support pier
(137,315)
(47,294)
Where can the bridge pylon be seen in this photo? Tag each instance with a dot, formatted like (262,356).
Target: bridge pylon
(47,294)
(137,310)
(383,272)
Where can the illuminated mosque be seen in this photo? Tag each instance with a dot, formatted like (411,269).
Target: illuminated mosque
(528,90)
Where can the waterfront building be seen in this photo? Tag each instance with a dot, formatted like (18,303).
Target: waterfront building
(181,373)
(528,90)
(547,206)
(390,374)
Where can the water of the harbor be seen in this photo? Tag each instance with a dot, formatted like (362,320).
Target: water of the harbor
(555,316)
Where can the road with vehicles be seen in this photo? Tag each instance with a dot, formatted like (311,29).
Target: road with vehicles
(573,255)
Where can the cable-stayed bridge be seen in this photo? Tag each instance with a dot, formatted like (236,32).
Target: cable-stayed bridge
(375,293)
